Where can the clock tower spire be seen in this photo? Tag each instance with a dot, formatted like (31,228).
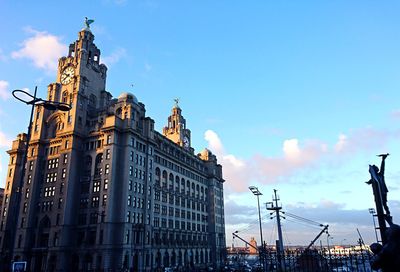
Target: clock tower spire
(81,81)
(176,129)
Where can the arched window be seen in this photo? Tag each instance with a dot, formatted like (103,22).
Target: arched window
(171,181)
(177,183)
(119,112)
(93,101)
(88,165)
(65,97)
(164,178)
(44,230)
(182,183)
(158,175)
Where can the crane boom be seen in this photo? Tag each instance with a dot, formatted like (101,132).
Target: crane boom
(247,243)
(316,238)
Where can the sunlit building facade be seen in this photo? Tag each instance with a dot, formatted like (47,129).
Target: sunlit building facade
(103,189)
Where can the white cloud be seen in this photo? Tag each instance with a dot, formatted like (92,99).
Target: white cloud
(115,56)
(341,143)
(291,149)
(296,156)
(4,140)
(214,142)
(239,172)
(364,139)
(43,49)
(4,92)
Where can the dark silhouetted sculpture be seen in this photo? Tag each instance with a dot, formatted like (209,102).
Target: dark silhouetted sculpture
(387,257)
(379,176)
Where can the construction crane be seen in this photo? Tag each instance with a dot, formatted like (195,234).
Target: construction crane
(241,239)
(316,238)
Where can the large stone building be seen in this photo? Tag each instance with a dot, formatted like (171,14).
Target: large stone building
(103,189)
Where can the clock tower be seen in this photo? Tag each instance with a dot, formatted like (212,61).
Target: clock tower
(176,129)
(80,82)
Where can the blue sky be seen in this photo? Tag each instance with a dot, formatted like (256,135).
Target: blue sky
(294,95)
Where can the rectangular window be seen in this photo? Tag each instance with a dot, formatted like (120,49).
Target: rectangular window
(96,186)
(95,202)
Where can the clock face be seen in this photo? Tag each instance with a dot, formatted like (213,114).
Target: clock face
(185,141)
(67,75)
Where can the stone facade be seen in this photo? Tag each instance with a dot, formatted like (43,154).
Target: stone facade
(103,189)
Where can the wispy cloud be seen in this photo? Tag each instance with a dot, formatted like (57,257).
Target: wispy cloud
(115,56)
(42,48)
(395,114)
(147,67)
(364,139)
(5,141)
(3,57)
(4,92)
(296,156)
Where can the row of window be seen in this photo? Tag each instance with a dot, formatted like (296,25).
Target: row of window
(52,164)
(179,201)
(136,218)
(179,182)
(177,224)
(94,203)
(179,213)
(48,205)
(188,160)
(97,185)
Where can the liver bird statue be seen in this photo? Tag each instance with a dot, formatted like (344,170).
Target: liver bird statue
(88,22)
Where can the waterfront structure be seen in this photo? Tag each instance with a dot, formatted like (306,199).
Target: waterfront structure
(103,189)
(253,243)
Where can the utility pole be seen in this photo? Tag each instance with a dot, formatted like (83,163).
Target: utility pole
(276,209)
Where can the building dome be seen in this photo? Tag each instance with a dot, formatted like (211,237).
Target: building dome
(128,97)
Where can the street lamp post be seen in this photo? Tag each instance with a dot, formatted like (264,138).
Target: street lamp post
(257,193)
(32,100)
(329,237)
(373,213)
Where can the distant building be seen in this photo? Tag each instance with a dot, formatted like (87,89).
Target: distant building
(103,190)
(252,249)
